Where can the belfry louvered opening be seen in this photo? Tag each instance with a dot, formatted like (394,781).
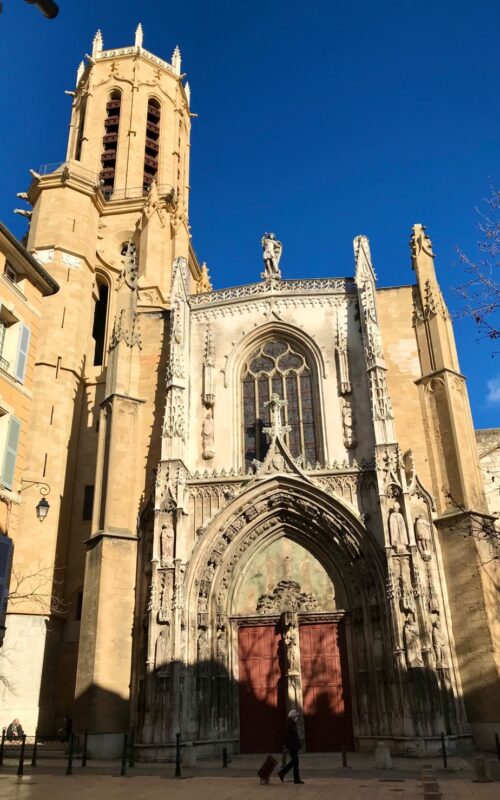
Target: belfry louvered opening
(110,144)
(152,147)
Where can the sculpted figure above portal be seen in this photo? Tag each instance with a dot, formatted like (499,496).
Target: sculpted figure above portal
(272,250)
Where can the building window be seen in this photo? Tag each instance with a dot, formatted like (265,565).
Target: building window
(152,144)
(100,318)
(110,144)
(10,273)
(14,346)
(279,367)
(81,128)
(10,428)
(88,503)
(79,604)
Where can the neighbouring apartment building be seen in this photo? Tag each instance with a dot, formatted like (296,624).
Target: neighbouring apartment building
(23,284)
(262,496)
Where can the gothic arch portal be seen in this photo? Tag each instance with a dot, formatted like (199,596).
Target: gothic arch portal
(285,506)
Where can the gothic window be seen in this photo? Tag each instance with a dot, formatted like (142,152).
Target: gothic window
(81,128)
(277,366)
(110,144)
(152,144)
(100,319)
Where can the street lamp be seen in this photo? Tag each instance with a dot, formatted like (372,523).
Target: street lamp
(47,7)
(42,507)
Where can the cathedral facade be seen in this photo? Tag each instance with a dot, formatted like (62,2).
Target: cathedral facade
(262,496)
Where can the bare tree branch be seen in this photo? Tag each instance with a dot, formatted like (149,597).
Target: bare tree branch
(480,294)
(483,528)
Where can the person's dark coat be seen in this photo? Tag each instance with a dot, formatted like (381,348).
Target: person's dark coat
(10,735)
(292,738)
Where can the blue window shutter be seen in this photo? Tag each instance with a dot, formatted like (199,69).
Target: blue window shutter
(9,459)
(22,353)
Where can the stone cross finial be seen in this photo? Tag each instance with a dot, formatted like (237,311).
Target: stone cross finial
(176,60)
(276,428)
(139,36)
(97,44)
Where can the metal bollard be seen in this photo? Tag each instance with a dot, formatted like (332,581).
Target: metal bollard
(131,761)
(71,749)
(497,742)
(224,757)
(34,753)
(445,755)
(177,755)
(84,751)
(2,746)
(283,757)
(123,770)
(20,768)
(344,756)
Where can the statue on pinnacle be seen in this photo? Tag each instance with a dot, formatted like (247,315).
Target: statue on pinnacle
(272,250)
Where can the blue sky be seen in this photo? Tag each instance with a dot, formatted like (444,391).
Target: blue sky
(318,120)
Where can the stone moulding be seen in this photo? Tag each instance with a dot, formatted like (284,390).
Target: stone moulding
(126,51)
(313,285)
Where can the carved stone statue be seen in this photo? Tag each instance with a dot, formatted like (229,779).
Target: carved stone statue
(271,254)
(423,538)
(162,648)
(221,646)
(292,649)
(397,530)
(207,434)
(203,603)
(411,642)
(167,538)
(439,646)
(348,425)
(203,646)
(276,429)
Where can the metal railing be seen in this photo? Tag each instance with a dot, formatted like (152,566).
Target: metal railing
(72,168)
(5,365)
(165,190)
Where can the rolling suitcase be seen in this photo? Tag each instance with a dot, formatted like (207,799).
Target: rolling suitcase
(266,769)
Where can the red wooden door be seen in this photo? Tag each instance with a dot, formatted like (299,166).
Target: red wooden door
(325,687)
(261,690)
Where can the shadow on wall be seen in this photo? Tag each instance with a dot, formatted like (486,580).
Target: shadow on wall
(203,704)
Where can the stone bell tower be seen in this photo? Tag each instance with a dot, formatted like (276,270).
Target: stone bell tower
(108,224)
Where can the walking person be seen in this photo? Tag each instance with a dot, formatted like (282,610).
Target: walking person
(293,745)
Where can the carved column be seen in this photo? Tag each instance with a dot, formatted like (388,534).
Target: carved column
(291,649)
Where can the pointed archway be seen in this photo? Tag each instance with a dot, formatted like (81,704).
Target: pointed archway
(282,507)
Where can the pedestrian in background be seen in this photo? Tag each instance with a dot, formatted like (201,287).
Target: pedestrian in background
(14,731)
(293,745)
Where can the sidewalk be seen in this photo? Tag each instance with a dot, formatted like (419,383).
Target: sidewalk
(324,777)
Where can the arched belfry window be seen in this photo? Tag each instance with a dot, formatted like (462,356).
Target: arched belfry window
(110,143)
(152,147)
(278,366)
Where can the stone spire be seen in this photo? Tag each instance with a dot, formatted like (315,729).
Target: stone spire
(176,60)
(139,36)
(79,72)
(187,90)
(97,44)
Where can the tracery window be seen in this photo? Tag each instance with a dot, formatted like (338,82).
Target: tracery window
(277,366)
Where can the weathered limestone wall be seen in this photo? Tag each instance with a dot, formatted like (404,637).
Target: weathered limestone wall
(237,330)
(488,450)
(395,306)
